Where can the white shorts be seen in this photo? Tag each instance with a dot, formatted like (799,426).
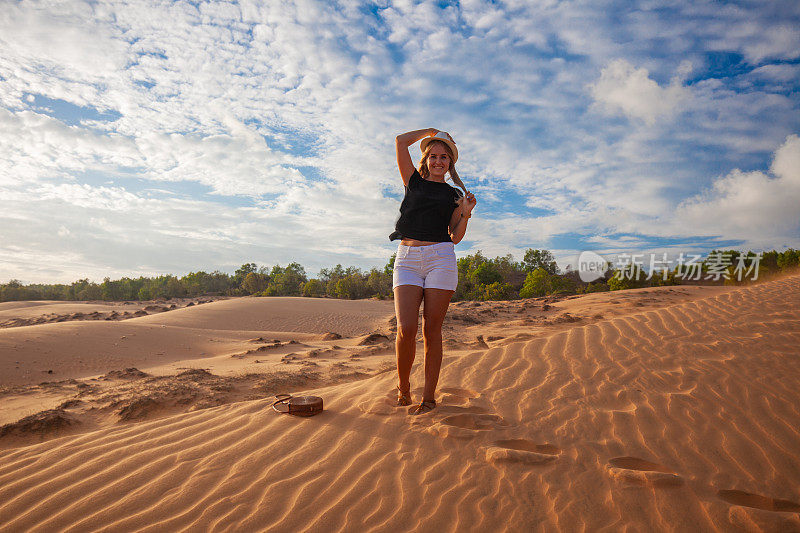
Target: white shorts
(432,266)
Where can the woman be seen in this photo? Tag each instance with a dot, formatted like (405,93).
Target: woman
(433,218)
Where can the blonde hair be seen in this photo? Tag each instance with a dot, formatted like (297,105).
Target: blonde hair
(423,164)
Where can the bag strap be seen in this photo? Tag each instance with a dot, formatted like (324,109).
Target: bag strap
(282,399)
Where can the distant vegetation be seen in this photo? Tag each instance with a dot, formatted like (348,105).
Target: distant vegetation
(479,278)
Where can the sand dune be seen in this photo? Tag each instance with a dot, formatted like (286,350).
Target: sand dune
(57,351)
(678,416)
(16,314)
(281,314)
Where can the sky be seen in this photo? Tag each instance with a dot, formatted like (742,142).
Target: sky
(151,137)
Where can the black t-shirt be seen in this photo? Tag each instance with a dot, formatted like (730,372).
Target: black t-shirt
(426,210)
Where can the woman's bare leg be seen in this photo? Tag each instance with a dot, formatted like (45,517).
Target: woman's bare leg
(407,299)
(436,303)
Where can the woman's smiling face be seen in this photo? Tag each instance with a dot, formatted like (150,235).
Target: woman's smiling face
(438,161)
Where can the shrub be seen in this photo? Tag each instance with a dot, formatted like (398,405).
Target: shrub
(542,283)
(543,259)
(313,288)
(254,282)
(485,274)
(496,291)
(622,279)
(596,287)
(537,283)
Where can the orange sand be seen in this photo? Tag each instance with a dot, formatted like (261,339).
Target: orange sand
(653,409)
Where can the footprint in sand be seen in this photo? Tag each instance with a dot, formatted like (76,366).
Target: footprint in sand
(456,396)
(757,501)
(521,451)
(378,407)
(642,472)
(474,421)
(466,425)
(453,400)
(382,406)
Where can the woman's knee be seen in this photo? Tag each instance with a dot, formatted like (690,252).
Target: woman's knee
(406,331)
(431,329)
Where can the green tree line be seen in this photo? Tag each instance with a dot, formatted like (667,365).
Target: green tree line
(479,278)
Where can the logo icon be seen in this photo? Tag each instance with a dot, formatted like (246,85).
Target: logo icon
(591,266)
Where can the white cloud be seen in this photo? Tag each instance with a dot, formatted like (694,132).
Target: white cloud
(34,146)
(244,98)
(238,164)
(55,36)
(781,72)
(630,90)
(782,41)
(753,205)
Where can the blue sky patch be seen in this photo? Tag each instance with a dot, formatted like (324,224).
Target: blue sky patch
(67,112)
(639,119)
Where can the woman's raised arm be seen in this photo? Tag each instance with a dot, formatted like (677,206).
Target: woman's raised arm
(401,144)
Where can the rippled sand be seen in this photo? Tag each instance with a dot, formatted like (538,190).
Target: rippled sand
(678,414)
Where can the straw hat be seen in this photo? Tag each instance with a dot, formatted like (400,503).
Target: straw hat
(441,136)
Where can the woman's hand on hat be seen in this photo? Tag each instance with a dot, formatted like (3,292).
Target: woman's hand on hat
(436,132)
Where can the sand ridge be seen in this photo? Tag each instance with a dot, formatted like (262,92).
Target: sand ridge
(75,349)
(16,314)
(679,417)
(69,366)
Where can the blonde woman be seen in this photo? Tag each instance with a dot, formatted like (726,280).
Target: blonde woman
(433,219)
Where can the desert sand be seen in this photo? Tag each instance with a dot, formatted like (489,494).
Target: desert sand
(671,408)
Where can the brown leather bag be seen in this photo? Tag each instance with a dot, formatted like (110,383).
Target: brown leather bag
(298,405)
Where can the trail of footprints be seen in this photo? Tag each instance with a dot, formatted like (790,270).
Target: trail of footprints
(465,415)
(642,472)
